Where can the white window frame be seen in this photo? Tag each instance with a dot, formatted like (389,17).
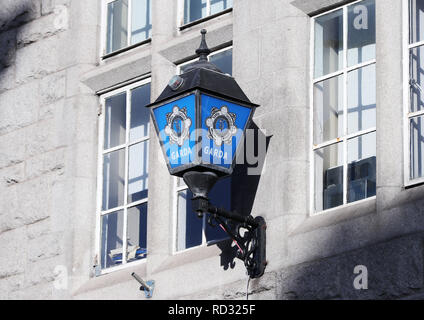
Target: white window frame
(176,189)
(101,152)
(104,26)
(406,101)
(346,136)
(178,70)
(181,16)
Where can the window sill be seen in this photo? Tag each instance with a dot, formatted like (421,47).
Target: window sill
(114,276)
(199,21)
(414,183)
(116,52)
(121,267)
(335,216)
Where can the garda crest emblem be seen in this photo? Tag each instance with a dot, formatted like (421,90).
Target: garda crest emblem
(221,126)
(178,125)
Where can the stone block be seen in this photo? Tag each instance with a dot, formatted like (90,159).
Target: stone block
(22,208)
(9,285)
(42,58)
(12,175)
(14,253)
(18,107)
(52,88)
(247,48)
(12,148)
(41,272)
(45,247)
(49,162)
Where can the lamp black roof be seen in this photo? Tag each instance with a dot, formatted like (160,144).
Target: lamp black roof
(208,78)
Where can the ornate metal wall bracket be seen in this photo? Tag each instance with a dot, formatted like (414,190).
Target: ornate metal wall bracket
(251,241)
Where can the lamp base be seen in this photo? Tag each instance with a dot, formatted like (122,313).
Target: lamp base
(200,183)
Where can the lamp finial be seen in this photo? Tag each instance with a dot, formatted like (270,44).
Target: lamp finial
(203,50)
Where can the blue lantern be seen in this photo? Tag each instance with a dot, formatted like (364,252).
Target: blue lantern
(201,118)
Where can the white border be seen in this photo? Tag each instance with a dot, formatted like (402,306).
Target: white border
(103,28)
(101,152)
(346,136)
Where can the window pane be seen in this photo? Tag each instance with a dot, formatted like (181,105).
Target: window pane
(140,115)
(417,147)
(111,246)
(137,233)
(189,226)
(117,24)
(220,5)
(138,172)
(329,177)
(328,43)
(115,121)
(328,110)
(416,17)
(416,64)
(194,10)
(141,20)
(361,32)
(220,196)
(361,167)
(361,97)
(223,60)
(113,179)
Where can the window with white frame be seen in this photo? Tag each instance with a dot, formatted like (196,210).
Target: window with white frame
(192,231)
(127,22)
(123,175)
(415,105)
(344,105)
(199,9)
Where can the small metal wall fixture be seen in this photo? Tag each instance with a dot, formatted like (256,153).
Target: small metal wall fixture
(200,119)
(147,286)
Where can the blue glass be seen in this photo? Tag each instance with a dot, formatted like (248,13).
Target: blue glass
(223,124)
(178,143)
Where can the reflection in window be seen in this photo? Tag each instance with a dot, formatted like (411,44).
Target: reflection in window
(113,179)
(138,160)
(117,25)
(361,99)
(141,21)
(416,93)
(193,231)
(361,32)
(328,110)
(328,43)
(223,59)
(137,233)
(128,22)
(111,242)
(361,167)
(198,9)
(115,121)
(329,186)
(344,117)
(124,188)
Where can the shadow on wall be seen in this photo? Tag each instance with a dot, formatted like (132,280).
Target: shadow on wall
(379,255)
(13,14)
(244,184)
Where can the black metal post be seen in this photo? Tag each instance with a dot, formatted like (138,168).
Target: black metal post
(252,244)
